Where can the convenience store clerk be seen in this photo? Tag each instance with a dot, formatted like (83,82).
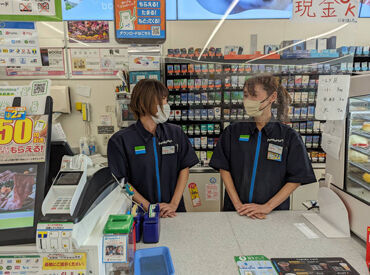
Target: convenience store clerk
(153,155)
(261,161)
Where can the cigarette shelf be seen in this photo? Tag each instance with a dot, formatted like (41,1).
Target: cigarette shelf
(226,79)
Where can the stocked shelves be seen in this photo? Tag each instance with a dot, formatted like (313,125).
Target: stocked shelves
(356,179)
(199,90)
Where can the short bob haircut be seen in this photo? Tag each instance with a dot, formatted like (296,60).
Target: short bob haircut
(146,95)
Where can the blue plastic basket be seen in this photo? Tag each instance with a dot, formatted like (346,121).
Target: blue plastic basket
(153,261)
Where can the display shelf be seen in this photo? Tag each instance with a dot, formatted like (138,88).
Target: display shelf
(299,87)
(254,61)
(361,133)
(364,167)
(361,114)
(361,150)
(356,179)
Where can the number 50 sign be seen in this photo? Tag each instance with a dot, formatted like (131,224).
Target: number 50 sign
(23,140)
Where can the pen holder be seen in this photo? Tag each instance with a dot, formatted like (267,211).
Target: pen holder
(151,225)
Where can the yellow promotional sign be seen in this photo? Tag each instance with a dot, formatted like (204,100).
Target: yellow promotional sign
(23,140)
(65,261)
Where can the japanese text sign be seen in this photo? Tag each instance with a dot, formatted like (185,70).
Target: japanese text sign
(65,262)
(136,19)
(342,11)
(332,97)
(23,140)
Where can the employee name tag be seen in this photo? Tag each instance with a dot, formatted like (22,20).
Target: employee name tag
(274,152)
(167,150)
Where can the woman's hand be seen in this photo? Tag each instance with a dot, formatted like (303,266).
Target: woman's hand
(254,210)
(167,210)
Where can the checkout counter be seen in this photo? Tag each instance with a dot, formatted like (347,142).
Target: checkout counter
(206,243)
(83,196)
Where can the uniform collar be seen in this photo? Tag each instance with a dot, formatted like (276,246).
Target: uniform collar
(267,129)
(145,134)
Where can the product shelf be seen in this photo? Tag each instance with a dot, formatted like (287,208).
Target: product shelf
(364,167)
(361,133)
(361,150)
(357,180)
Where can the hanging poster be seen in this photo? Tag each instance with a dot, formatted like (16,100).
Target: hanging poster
(53,65)
(98,62)
(23,141)
(340,11)
(31,10)
(138,21)
(19,44)
(88,31)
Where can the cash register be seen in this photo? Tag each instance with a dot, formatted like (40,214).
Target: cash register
(78,205)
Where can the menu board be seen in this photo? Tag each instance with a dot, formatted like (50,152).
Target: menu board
(97,62)
(53,65)
(313,266)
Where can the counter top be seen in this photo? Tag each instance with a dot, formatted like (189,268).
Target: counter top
(206,243)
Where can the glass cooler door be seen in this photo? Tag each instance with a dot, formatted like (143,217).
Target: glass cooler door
(358,148)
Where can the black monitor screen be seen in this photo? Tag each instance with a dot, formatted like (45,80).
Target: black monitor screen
(17,195)
(68,178)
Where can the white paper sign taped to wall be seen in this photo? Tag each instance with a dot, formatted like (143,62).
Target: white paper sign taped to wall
(332,97)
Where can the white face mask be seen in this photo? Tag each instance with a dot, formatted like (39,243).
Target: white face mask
(162,115)
(252,107)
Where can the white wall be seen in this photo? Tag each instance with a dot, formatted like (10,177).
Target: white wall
(102,95)
(186,34)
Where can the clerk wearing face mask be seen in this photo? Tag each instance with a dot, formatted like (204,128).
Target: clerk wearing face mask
(261,161)
(153,155)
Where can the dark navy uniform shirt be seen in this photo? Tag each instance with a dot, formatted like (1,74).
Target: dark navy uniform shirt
(261,163)
(151,163)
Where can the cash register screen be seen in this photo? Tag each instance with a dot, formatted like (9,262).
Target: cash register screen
(68,178)
(17,195)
